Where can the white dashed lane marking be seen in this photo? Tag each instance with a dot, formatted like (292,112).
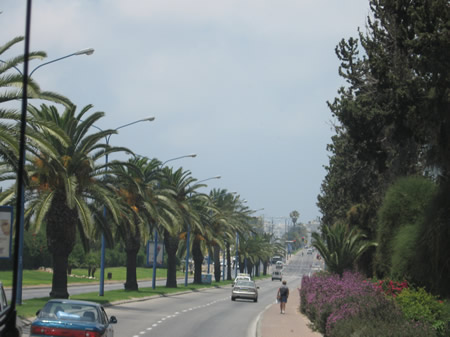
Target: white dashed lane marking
(161,320)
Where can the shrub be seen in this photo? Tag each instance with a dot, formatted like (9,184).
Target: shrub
(404,205)
(389,287)
(418,305)
(366,326)
(376,315)
(322,296)
(350,306)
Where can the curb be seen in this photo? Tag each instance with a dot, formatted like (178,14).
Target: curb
(259,321)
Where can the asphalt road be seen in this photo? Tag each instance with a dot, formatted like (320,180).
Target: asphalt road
(204,313)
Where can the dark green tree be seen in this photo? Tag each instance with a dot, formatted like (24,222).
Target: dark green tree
(393,115)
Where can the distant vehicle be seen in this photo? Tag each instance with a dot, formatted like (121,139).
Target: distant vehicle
(242,277)
(279,265)
(276,258)
(309,251)
(277,275)
(60,317)
(245,289)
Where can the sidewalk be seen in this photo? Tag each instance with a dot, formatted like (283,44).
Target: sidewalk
(292,323)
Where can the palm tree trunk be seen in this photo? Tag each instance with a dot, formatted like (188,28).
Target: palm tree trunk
(171,246)
(197,256)
(216,255)
(132,248)
(241,264)
(249,267)
(265,265)
(61,235)
(228,262)
(59,280)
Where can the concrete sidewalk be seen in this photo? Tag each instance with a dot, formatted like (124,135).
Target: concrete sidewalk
(291,323)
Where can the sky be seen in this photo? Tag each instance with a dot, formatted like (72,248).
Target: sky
(243,84)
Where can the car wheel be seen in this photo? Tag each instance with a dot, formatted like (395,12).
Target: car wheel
(255,300)
(272,279)
(233,299)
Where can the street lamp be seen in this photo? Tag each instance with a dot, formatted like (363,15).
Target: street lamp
(192,155)
(87,51)
(102,254)
(155,250)
(188,236)
(21,199)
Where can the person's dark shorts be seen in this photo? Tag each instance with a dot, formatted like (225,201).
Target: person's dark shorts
(283,299)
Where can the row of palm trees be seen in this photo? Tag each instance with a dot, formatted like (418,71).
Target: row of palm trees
(68,190)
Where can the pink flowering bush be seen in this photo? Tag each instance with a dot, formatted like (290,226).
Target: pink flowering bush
(349,305)
(325,296)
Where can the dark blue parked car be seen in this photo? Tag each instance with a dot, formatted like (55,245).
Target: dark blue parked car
(60,317)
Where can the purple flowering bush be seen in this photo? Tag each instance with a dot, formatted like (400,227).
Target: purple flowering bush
(351,306)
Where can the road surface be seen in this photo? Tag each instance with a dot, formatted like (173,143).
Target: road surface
(204,313)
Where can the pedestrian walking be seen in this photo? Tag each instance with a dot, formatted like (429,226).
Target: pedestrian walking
(282,296)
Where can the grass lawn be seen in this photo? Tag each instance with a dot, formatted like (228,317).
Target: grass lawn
(37,277)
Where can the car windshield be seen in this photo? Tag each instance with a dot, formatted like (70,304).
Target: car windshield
(64,311)
(245,284)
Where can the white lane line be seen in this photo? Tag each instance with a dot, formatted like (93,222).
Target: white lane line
(177,313)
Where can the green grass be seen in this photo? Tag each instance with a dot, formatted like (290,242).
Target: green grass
(37,277)
(120,273)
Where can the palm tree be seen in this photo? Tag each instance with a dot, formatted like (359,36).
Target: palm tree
(271,248)
(183,186)
(205,212)
(294,216)
(340,246)
(224,226)
(145,206)
(11,77)
(11,81)
(64,182)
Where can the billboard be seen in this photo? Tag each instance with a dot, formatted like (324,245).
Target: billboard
(159,255)
(6,221)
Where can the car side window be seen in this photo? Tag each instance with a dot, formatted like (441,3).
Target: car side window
(4,302)
(104,316)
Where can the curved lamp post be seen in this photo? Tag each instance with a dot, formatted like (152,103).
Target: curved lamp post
(89,51)
(188,237)
(102,254)
(192,155)
(155,248)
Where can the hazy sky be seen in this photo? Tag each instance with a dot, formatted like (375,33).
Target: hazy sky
(243,84)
